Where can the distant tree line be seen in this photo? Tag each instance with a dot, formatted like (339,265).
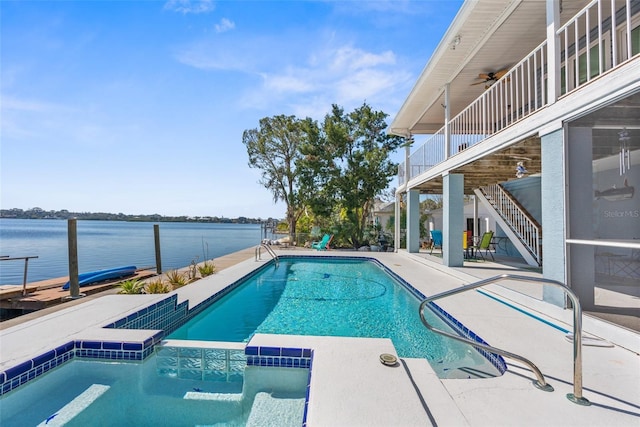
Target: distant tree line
(38,213)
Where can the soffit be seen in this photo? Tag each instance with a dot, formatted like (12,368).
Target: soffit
(494,35)
(493,168)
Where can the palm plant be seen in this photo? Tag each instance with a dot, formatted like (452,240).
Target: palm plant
(131,286)
(207,269)
(177,279)
(157,286)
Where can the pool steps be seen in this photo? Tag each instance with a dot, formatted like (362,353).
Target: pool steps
(77,405)
(270,410)
(246,368)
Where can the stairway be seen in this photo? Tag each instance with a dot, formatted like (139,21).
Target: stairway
(520,227)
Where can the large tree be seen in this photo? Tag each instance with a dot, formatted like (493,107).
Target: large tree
(349,165)
(274,149)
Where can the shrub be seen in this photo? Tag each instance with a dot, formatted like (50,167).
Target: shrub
(131,286)
(157,286)
(207,269)
(177,279)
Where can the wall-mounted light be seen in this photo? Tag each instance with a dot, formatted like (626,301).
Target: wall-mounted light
(521,170)
(456,41)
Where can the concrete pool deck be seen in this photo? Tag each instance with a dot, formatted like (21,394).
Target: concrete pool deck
(350,387)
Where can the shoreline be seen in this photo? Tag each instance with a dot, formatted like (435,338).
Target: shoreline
(221,263)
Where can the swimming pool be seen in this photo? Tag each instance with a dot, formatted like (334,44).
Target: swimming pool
(83,393)
(332,296)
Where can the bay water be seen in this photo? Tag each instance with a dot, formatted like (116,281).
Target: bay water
(111,244)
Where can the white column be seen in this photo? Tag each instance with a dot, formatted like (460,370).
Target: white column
(396,234)
(476,225)
(413,221)
(553,51)
(553,215)
(453,219)
(447,115)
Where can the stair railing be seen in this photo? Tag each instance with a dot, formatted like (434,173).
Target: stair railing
(519,220)
(540,383)
(269,250)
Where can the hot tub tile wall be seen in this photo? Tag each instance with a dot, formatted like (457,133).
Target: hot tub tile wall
(21,374)
(196,363)
(282,357)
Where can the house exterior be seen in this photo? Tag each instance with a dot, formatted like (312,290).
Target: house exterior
(534,107)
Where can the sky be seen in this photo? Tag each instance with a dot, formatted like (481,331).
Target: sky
(138,107)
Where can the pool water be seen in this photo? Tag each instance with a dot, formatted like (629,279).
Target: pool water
(340,297)
(92,393)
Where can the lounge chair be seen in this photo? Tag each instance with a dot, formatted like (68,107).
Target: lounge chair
(484,245)
(436,239)
(323,244)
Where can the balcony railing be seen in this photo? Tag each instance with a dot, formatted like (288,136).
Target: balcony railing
(523,90)
(604,46)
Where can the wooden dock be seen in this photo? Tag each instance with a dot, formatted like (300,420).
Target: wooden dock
(49,293)
(46,293)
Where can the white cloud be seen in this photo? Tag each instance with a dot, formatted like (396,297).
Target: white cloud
(16,104)
(189,6)
(304,74)
(348,58)
(224,25)
(294,81)
(345,75)
(210,56)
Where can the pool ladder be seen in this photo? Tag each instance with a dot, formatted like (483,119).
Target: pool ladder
(269,250)
(576,396)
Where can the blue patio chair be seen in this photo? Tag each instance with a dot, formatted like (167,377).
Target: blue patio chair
(436,239)
(323,244)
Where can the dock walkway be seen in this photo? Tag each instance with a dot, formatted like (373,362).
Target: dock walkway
(48,294)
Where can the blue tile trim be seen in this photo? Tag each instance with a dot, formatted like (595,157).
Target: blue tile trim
(18,375)
(278,356)
(495,359)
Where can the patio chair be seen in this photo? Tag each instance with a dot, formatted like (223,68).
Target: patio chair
(436,239)
(484,245)
(466,247)
(323,244)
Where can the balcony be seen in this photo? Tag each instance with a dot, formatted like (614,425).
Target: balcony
(593,42)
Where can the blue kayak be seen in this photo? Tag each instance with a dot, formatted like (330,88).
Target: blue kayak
(101,275)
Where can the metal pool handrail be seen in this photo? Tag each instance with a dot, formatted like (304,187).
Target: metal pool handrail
(26,267)
(271,252)
(576,396)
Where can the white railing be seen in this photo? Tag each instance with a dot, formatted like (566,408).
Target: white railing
(527,230)
(604,46)
(523,90)
(517,94)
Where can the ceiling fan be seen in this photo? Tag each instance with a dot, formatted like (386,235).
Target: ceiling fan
(490,78)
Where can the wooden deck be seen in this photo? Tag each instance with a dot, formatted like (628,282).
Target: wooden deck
(48,293)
